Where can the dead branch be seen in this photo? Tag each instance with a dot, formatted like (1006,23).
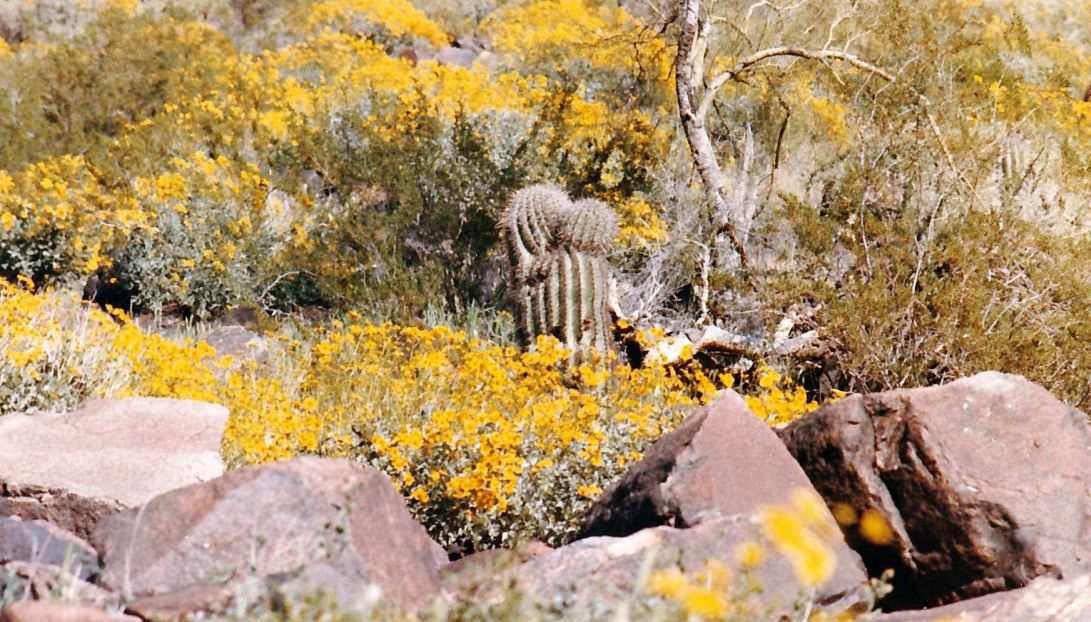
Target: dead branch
(820,55)
(704,155)
(692,44)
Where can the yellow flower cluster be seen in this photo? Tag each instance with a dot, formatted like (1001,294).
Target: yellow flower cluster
(469,429)
(397,17)
(63,201)
(640,220)
(489,442)
(232,105)
(803,532)
(56,353)
(538,33)
(779,399)
(704,595)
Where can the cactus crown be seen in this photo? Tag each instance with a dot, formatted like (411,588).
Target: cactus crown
(532,217)
(589,226)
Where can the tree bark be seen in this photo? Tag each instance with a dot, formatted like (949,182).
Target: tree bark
(704,156)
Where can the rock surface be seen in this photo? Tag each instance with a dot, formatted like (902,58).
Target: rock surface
(236,341)
(479,569)
(1044,600)
(986,482)
(721,461)
(458,57)
(74,468)
(35,581)
(47,611)
(593,574)
(332,522)
(178,605)
(44,543)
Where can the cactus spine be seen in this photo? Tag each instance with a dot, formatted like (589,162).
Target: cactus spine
(557,259)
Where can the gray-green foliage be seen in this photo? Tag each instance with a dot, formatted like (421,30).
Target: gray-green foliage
(557,260)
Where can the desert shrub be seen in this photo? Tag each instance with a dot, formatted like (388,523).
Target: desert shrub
(209,239)
(415,172)
(401,167)
(57,216)
(603,50)
(50,354)
(947,299)
(862,186)
(411,215)
(74,95)
(489,444)
(460,19)
(936,250)
(55,353)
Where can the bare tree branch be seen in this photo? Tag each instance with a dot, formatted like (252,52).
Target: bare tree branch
(731,217)
(704,155)
(820,55)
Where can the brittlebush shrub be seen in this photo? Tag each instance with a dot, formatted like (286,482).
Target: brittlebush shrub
(75,95)
(208,240)
(58,215)
(56,353)
(490,444)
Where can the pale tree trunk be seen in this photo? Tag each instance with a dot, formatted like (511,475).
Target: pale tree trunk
(704,156)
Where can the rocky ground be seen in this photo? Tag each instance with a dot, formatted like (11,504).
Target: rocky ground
(984,483)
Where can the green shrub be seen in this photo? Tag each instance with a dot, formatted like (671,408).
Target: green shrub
(77,95)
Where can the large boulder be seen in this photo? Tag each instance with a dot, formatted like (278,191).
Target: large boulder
(188,601)
(74,468)
(721,461)
(332,522)
(985,482)
(591,577)
(695,496)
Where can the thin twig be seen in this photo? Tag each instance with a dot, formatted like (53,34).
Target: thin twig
(820,55)
(926,106)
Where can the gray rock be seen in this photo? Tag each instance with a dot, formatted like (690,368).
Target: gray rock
(456,56)
(44,543)
(34,581)
(177,605)
(236,341)
(592,576)
(720,462)
(49,611)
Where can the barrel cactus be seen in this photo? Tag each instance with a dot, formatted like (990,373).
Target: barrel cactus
(559,274)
